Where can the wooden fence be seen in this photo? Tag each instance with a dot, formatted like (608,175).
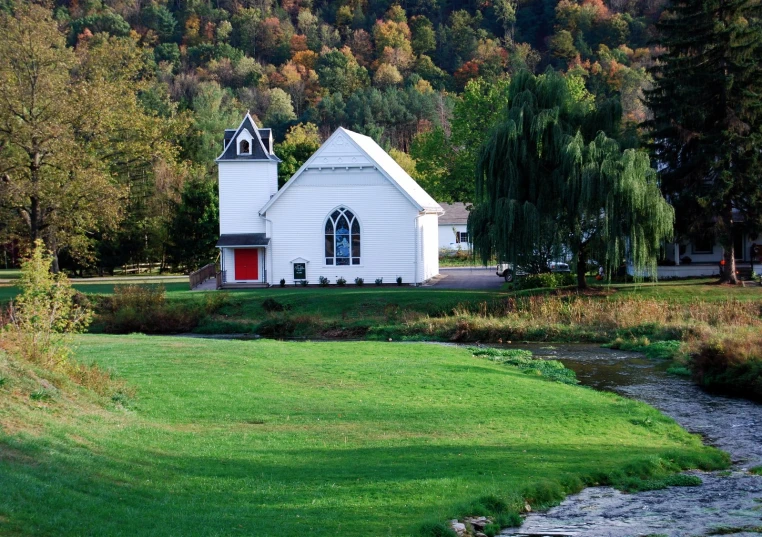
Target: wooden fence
(202,274)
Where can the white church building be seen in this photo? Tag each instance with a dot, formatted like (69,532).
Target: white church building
(349,212)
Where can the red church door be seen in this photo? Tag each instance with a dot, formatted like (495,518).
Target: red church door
(247,264)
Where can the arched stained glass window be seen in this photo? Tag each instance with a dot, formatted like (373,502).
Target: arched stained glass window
(342,238)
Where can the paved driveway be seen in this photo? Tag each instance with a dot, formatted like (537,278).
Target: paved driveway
(469,278)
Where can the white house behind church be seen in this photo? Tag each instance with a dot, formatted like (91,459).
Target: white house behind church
(453,227)
(349,212)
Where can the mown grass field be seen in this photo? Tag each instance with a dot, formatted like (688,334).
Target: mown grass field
(290,439)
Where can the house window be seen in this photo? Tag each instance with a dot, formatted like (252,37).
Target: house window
(342,238)
(244,147)
(704,245)
(462,237)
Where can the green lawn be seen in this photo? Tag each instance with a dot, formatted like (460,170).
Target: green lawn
(693,289)
(10,274)
(291,439)
(353,302)
(7,292)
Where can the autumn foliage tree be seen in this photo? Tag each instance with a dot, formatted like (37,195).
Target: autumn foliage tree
(63,143)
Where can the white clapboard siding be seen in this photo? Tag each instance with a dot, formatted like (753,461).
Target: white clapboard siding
(389,230)
(447,235)
(430,247)
(245,187)
(398,219)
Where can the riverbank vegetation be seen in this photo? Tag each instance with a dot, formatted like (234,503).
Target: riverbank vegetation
(700,319)
(710,331)
(325,438)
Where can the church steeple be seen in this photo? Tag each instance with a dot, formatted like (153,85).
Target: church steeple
(248,142)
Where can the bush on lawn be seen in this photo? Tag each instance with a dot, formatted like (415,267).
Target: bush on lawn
(37,330)
(550,280)
(144,308)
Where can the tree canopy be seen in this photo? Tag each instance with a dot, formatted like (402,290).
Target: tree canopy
(140,93)
(63,145)
(552,179)
(706,133)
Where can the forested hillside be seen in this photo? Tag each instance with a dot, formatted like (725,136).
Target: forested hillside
(140,92)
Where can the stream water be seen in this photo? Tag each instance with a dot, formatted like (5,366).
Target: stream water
(727,503)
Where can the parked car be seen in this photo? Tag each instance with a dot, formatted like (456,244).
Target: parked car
(505,270)
(559,267)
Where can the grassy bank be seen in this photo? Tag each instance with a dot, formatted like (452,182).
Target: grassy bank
(659,312)
(270,438)
(710,320)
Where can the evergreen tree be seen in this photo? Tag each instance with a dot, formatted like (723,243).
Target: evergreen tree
(706,130)
(549,174)
(196,225)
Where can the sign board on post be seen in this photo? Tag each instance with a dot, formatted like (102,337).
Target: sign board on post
(300,271)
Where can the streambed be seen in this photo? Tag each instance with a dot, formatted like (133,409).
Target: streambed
(728,503)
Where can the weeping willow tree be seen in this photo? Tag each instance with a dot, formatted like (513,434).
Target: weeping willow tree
(550,179)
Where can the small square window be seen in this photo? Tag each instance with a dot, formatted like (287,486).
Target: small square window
(703,245)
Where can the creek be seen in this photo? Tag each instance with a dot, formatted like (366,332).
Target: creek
(727,503)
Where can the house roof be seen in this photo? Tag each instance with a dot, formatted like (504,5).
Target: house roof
(382,162)
(243,239)
(454,213)
(259,150)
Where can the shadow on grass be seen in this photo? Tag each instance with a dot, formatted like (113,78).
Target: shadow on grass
(58,488)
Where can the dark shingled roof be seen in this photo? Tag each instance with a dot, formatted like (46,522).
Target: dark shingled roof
(259,150)
(454,213)
(243,239)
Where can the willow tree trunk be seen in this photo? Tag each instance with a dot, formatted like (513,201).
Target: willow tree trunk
(728,274)
(582,267)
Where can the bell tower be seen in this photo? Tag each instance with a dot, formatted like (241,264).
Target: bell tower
(248,177)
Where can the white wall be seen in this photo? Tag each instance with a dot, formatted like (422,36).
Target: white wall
(717,251)
(447,235)
(245,187)
(430,247)
(389,231)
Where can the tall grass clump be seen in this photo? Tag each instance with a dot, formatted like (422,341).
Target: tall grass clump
(658,350)
(582,319)
(40,323)
(525,362)
(145,309)
(729,362)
